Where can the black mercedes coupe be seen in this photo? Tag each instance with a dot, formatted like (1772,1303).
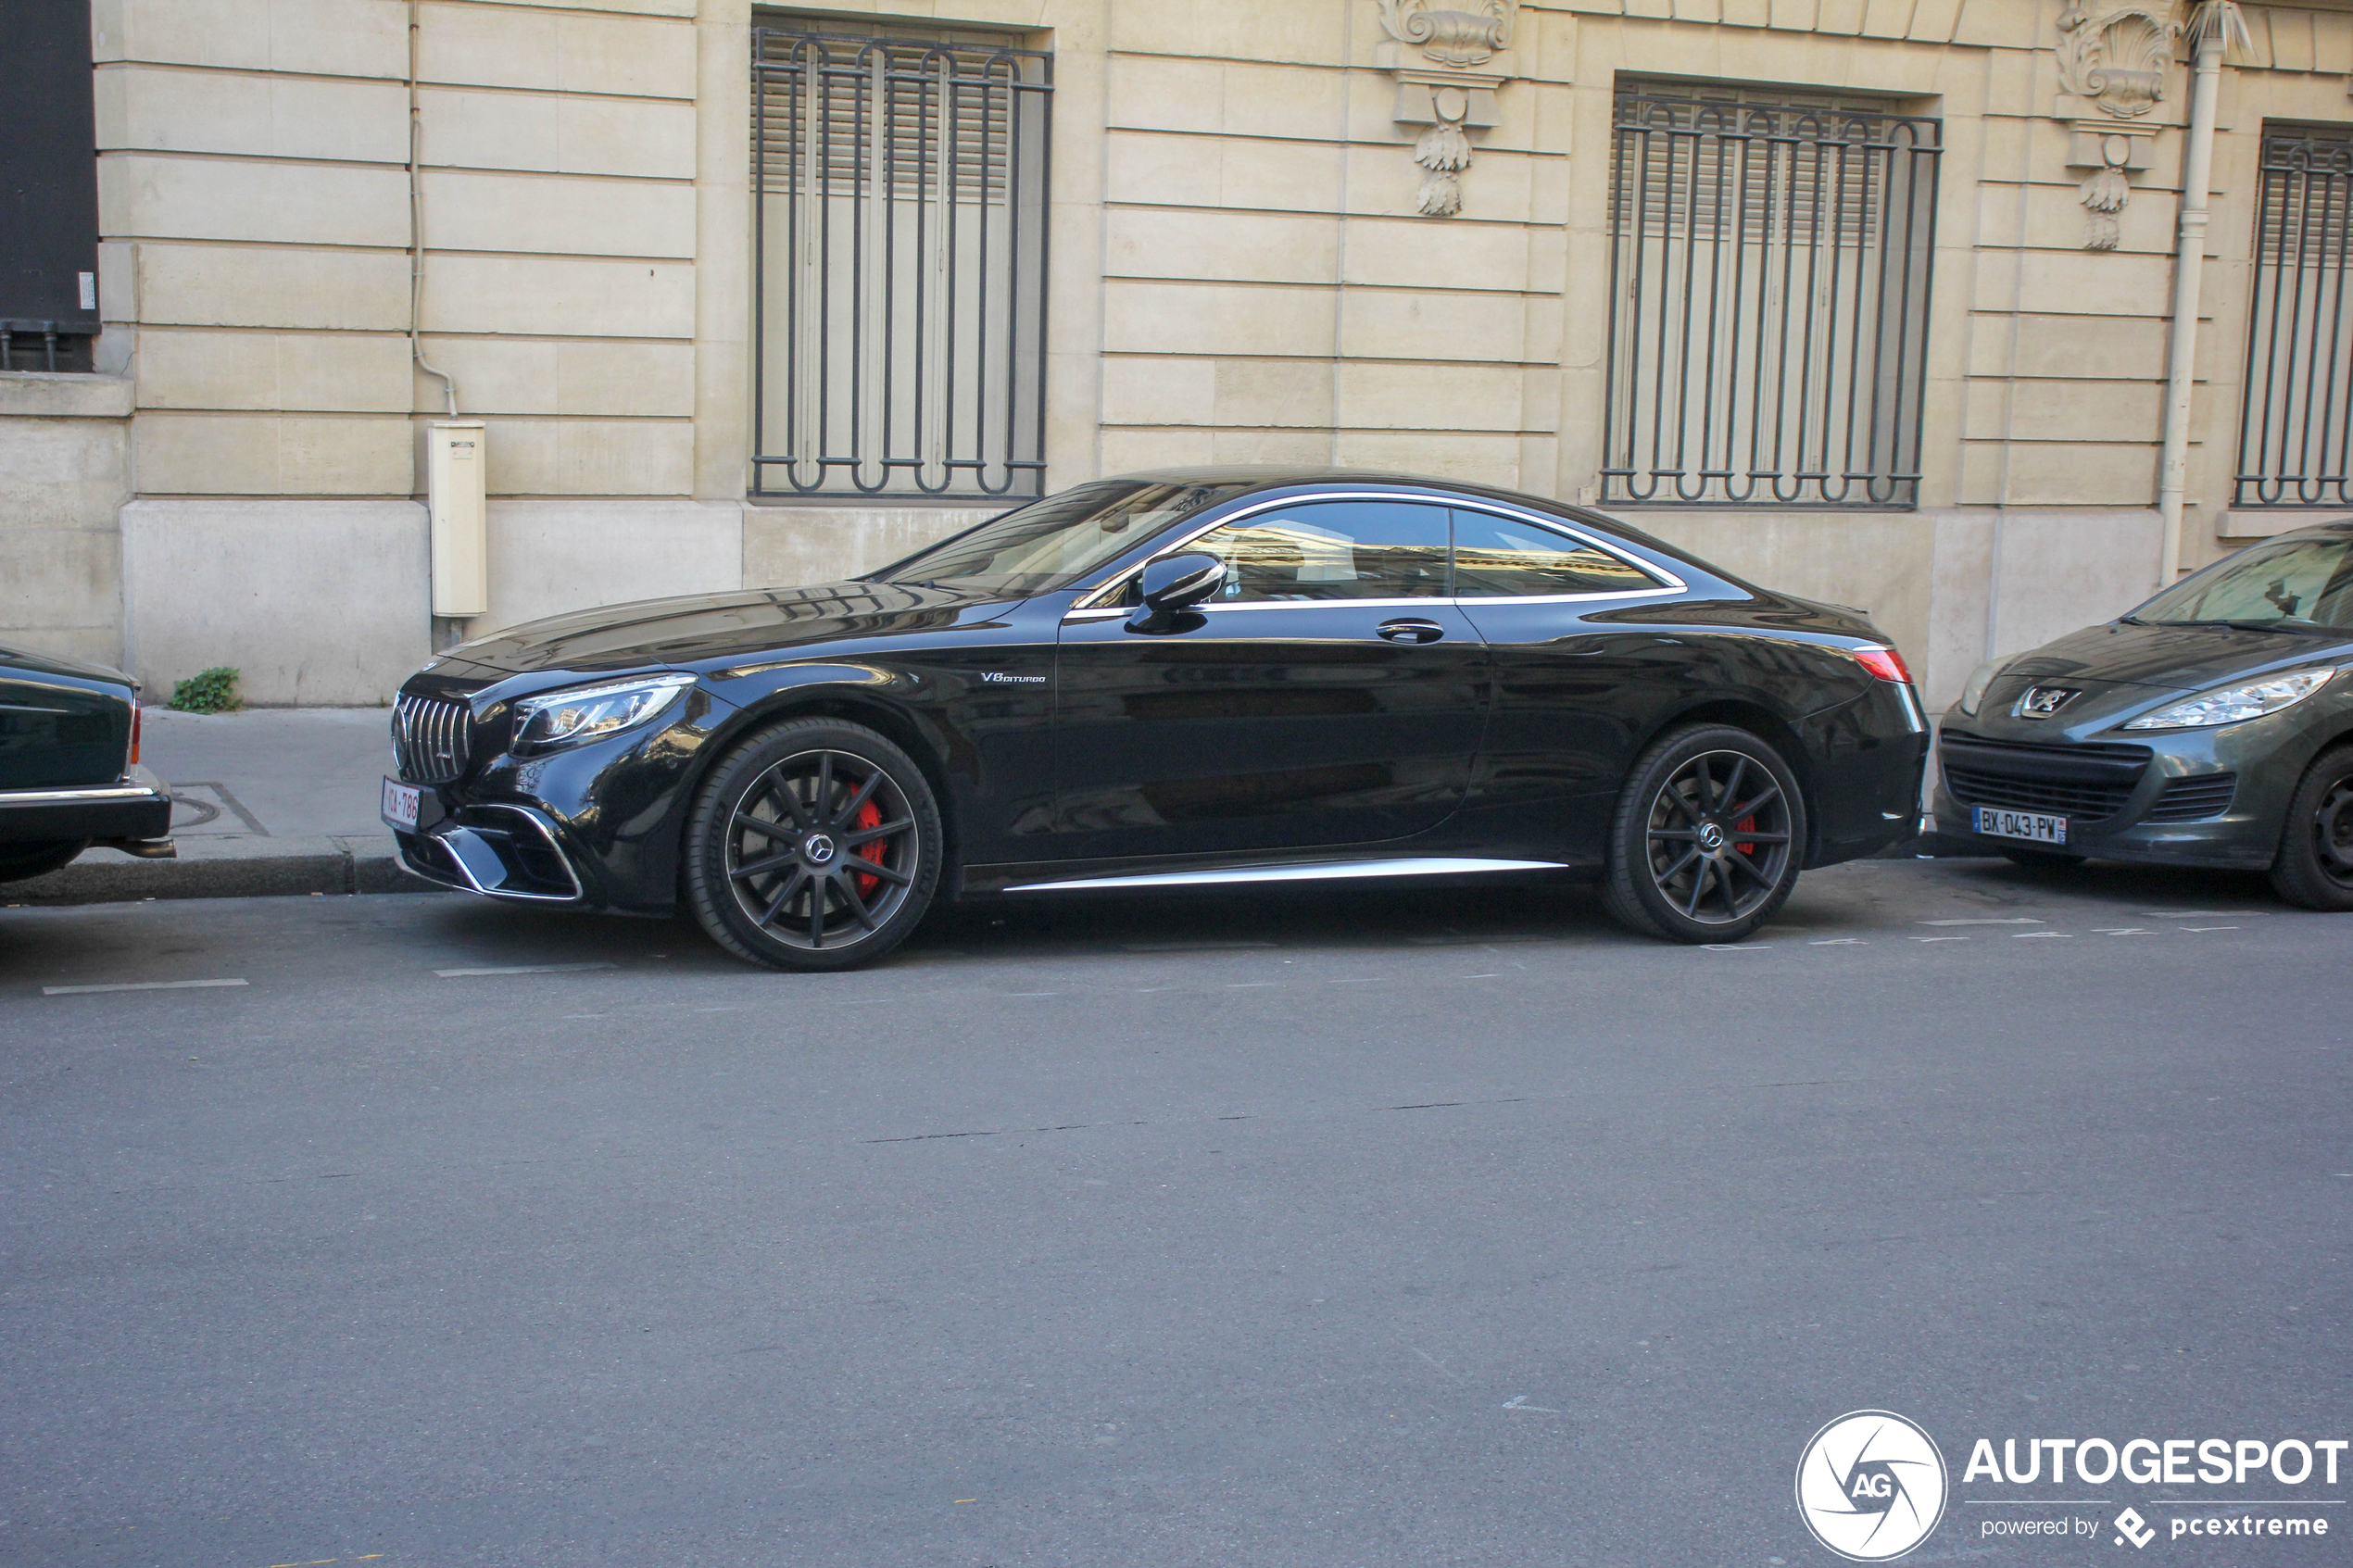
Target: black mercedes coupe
(1175,679)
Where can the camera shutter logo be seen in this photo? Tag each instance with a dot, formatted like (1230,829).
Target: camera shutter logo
(1871,1485)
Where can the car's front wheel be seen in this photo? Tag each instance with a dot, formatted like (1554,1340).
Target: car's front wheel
(815,845)
(2315,863)
(1707,838)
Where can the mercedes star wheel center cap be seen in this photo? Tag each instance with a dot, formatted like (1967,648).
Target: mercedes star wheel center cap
(1711,837)
(818,848)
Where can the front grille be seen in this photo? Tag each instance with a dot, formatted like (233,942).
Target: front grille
(431,739)
(2190,800)
(2088,783)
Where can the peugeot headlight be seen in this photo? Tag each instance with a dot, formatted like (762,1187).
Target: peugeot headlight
(1980,678)
(2232,704)
(583,713)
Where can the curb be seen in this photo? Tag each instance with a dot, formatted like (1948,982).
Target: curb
(226,867)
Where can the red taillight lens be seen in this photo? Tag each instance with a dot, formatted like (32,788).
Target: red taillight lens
(134,729)
(1886,663)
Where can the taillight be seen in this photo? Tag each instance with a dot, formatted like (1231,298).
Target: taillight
(134,729)
(1886,663)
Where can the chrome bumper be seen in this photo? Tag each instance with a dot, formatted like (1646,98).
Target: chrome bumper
(135,809)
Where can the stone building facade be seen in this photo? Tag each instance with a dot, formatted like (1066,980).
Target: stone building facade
(1300,231)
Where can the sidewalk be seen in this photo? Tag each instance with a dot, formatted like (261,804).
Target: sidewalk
(274,800)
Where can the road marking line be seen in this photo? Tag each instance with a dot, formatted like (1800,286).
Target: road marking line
(2192,914)
(136,986)
(1940,938)
(520,969)
(2030,936)
(2209,928)
(1519,1402)
(1251,984)
(1735,946)
(2009,919)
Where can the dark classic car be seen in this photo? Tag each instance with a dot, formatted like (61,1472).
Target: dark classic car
(2212,726)
(70,773)
(1172,679)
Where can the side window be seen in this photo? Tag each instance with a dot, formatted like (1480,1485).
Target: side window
(1496,558)
(1332,550)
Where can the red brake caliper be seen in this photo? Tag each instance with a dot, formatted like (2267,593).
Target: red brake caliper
(869,816)
(1746,824)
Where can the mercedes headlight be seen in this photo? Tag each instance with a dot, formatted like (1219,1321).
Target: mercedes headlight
(2233,704)
(1978,679)
(583,713)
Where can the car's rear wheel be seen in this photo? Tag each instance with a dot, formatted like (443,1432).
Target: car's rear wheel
(2315,863)
(18,861)
(1707,838)
(813,846)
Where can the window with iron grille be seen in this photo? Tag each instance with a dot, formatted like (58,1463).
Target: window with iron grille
(1769,282)
(2295,431)
(900,264)
(48,187)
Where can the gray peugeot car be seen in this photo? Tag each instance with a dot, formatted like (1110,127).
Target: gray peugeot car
(2212,726)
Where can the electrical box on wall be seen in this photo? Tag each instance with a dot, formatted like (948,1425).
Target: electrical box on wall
(457,493)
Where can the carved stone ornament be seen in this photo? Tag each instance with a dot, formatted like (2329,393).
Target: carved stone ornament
(2113,64)
(2117,59)
(1437,52)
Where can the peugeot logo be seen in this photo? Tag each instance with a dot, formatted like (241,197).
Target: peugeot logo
(818,848)
(2041,702)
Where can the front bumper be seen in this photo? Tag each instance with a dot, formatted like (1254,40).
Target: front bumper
(596,825)
(2185,768)
(135,809)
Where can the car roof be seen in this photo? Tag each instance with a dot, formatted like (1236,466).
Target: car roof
(1281,476)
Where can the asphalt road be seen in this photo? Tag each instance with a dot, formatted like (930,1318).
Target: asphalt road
(1332,1229)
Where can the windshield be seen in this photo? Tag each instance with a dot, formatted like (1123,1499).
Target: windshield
(1054,543)
(2287,584)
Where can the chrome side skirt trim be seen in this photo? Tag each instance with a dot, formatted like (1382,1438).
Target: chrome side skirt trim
(1430,865)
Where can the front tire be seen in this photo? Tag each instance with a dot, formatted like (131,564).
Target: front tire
(1707,838)
(2314,868)
(815,845)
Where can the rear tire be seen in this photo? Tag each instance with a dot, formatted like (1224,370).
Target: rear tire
(2042,859)
(1707,838)
(815,845)
(20,862)
(2314,868)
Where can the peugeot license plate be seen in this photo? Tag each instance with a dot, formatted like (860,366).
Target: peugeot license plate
(2036,827)
(401,805)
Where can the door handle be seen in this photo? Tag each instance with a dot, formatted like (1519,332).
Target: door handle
(1409,629)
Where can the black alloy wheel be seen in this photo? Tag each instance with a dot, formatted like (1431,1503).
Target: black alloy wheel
(1706,842)
(815,846)
(2314,868)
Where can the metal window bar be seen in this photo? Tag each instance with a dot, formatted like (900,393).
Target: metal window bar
(2295,427)
(1769,288)
(899,267)
(46,345)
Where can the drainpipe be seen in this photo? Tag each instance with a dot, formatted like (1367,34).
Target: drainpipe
(417,230)
(2217,25)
